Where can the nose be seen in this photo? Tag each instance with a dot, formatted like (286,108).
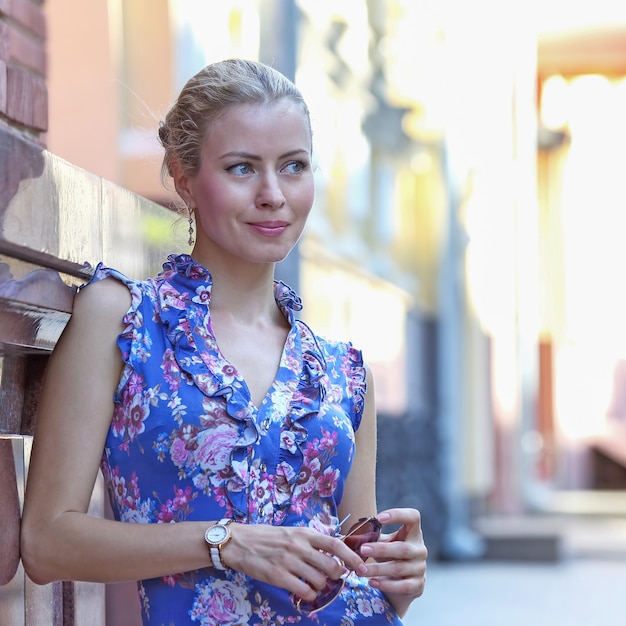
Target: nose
(270,195)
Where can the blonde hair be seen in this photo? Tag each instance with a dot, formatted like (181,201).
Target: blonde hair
(207,95)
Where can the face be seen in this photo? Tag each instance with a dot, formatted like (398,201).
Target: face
(254,190)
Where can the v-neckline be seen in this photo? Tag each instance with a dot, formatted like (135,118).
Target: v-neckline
(292,342)
(196,278)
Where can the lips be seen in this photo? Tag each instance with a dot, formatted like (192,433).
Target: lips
(269,229)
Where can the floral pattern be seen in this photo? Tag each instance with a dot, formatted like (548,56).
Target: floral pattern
(186,442)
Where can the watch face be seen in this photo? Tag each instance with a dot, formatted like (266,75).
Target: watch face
(216,534)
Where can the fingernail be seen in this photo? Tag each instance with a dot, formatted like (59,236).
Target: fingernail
(361,570)
(367,550)
(383,517)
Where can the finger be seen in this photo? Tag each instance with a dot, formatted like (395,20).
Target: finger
(346,556)
(318,563)
(397,569)
(410,518)
(302,589)
(391,547)
(313,578)
(316,574)
(327,566)
(298,578)
(388,550)
(294,561)
(301,575)
(411,587)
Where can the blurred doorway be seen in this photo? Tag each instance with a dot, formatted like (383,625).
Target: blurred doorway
(581,424)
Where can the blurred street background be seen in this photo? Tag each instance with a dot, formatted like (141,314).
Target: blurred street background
(583,586)
(467,235)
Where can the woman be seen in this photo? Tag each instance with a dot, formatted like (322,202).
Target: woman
(215,408)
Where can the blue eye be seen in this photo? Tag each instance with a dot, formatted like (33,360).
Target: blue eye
(296,167)
(240,169)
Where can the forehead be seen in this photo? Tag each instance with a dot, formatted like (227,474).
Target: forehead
(280,107)
(282,119)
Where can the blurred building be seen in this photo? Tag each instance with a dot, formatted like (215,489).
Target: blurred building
(467,226)
(443,223)
(581,444)
(367,267)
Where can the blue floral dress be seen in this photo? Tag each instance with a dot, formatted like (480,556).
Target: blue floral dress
(187,443)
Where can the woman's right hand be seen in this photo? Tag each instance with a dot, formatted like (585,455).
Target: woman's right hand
(295,558)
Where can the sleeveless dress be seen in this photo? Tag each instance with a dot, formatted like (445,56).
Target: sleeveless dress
(187,443)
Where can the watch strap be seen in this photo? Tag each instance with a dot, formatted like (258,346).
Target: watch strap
(216,557)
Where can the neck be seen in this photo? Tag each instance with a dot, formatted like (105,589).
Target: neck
(247,303)
(243,290)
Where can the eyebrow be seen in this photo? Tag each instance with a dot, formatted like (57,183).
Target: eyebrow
(253,157)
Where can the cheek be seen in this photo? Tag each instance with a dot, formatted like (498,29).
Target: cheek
(210,196)
(215,204)
(305,199)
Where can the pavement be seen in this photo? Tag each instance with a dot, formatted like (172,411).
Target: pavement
(585,585)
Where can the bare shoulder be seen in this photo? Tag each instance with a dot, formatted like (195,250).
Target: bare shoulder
(106,299)
(76,402)
(97,318)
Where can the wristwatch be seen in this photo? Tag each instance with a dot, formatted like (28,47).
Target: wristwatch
(217,536)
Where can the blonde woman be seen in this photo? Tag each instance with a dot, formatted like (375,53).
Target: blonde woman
(233,440)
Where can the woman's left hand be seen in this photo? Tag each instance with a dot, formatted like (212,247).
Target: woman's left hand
(400,567)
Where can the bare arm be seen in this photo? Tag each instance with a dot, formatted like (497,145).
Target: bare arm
(359,496)
(60,541)
(400,557)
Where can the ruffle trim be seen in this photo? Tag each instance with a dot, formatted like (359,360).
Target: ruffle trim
(131,320)
(187,328)
(187,325)
(357,384)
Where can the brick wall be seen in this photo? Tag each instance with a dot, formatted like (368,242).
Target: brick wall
(23,91)
(48,244)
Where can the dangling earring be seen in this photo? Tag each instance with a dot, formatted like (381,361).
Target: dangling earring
(190,240)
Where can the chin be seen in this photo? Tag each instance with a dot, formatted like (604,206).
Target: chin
(275,256)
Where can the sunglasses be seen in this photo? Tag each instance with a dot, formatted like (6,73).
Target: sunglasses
(366,530)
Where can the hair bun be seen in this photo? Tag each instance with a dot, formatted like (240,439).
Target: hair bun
(163,133)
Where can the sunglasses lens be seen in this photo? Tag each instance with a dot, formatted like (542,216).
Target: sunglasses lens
(324,597)
(364,531)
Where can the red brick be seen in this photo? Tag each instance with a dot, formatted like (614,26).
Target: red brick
(40,105)
(26,50)
(20,96)
(29,15)
(4,41)
(3,87)
(23,91)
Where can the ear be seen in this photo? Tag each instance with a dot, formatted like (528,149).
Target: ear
(183,183)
